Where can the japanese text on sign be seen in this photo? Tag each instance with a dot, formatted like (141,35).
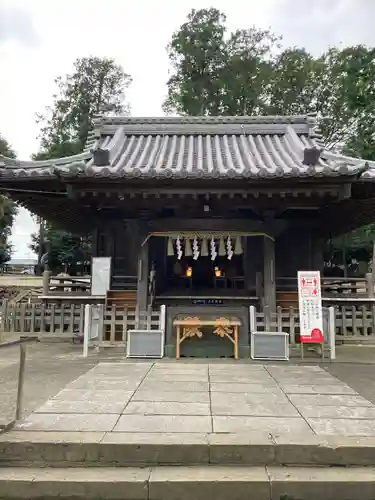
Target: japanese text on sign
(310,306)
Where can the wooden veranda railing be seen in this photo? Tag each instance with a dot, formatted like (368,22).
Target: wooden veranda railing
(333,287)
(58,285)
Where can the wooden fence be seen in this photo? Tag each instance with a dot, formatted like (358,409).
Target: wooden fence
(118,320)
(69,320)
(350,320)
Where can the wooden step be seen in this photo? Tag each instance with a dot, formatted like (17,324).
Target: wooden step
(123,298)
(287,299)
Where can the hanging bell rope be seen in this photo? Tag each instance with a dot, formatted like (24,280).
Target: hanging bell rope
(170,249)
(188,250)
(238,250)
(204,248)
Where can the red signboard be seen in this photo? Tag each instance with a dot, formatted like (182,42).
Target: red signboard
(310,307)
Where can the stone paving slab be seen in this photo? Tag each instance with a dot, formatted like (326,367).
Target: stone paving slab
(171,396)
(343,427)
(167,408)
(328,400)
(273,424)
(106,385)
(346,412)
(68,422)
(164,423)
(204,398)
(187,483)
(171,386)
(249,398)
(182,483)
(255,409)
(317,389)
(322,483)
(245,388)
(93,395)
(94,406)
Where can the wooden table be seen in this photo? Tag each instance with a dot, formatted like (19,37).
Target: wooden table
(223,327)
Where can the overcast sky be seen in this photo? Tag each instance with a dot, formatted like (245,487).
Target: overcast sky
(40,39)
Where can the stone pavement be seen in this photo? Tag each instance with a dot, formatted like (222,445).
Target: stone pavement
(204,398)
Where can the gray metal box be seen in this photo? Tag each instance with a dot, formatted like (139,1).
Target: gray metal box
(270,345)
(145,344)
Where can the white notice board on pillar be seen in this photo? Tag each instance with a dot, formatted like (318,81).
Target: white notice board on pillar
(100,275)
(310,307)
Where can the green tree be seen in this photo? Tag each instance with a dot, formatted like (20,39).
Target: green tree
(96,86)
(243,73)
(214,74)
(66,252)
(338,86)
(293,82)
(196,54)
(8,211)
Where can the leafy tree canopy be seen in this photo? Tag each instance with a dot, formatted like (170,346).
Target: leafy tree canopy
(8,211)
(66,252)
(249,72)
(96,86)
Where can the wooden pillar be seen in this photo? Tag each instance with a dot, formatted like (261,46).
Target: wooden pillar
(95,241)
(373,268)
(46,281)
(143,272)
(269,274)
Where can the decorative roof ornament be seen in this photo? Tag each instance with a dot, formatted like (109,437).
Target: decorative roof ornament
(311,156)
(101,157)
(195,249)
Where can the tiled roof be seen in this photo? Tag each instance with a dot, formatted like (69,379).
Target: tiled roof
(198,147)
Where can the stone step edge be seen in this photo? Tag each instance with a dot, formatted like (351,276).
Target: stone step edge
(126,449)
(185,483)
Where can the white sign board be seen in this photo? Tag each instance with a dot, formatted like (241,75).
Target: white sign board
(310,306)
(100,275)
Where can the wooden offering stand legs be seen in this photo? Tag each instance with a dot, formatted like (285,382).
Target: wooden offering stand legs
(191,327)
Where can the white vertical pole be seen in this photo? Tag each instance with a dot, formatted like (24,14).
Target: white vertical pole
(162,323)
(86,330)
(332,332)
(162,318)
(252,313)
(253,327)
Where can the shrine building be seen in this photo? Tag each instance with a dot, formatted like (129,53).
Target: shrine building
(201,213)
